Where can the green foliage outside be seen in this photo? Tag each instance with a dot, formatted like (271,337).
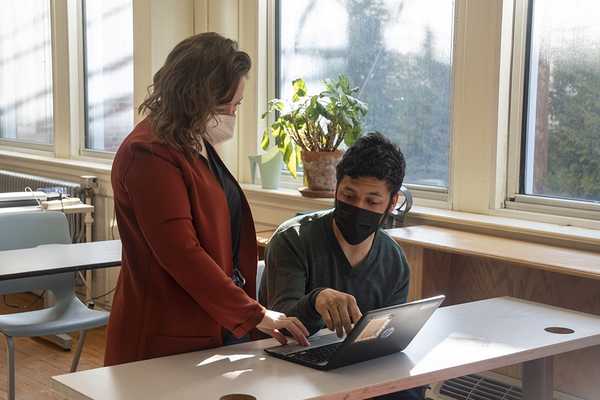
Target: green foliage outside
(409,101)
(573,160)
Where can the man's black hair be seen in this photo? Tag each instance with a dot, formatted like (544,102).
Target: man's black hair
(373,155)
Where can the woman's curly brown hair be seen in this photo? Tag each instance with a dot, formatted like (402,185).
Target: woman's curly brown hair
(201,73)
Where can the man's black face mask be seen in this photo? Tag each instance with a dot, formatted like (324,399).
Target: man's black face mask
(356,224)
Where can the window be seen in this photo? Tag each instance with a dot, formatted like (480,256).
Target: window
(108,65)
(561,129)
(29,87)
(397,52)
(26,72)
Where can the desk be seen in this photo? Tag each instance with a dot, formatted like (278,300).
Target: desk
(457,340)
(58,258)
(88,220)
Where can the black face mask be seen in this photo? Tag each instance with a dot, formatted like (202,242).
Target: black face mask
(356,224)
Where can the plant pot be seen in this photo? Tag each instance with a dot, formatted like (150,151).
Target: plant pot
(319,172)
(270,167)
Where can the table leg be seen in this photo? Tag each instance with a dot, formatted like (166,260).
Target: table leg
(89,221)
(538,379)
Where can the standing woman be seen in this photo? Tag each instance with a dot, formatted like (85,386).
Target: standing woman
(188,275)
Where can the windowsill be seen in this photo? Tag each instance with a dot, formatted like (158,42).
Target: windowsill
(292,201)
(85,166)
(284,194)
(516,228)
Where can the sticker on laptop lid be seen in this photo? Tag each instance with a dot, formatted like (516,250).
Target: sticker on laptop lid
(374,328)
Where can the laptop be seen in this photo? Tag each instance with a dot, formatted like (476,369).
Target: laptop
(378,333)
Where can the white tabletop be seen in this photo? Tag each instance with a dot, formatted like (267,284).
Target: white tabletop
(67,209)
(456,341)
(57,258)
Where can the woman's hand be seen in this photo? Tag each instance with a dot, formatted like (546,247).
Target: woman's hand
(273,322)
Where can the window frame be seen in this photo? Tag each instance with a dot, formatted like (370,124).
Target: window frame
(435,196)
(32,147)
(68,90)
(486,183)
(515,198)
(77,16)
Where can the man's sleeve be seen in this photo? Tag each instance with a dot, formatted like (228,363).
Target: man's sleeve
(400,293)
(286,280)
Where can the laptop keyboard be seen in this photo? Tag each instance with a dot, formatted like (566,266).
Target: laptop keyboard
(317,355)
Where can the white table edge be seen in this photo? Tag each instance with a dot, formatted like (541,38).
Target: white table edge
(387,387)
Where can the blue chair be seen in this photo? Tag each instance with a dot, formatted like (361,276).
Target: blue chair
(68,313)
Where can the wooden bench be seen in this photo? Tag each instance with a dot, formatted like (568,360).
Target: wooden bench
(262,240)
(426,246)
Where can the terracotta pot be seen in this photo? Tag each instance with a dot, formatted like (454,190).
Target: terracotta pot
(319,172)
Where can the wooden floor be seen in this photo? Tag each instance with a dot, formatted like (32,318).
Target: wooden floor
(37,360)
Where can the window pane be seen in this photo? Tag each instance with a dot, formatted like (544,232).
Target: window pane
(108,72)
(397,52)
(562,152)
(26,71)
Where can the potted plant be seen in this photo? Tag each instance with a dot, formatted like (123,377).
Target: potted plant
(310,129)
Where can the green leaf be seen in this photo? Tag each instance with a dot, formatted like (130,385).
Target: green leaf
(298,155)
(352,135)
(276,129)
(289,156)
(265,140)
(323,110)
(299,89)
(292,164)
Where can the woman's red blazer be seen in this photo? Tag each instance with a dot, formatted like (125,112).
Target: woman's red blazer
(174,292)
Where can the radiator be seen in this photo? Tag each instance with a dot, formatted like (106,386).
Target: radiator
(486,386)
(11,181)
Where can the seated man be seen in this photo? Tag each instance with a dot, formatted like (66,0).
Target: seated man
(327,268)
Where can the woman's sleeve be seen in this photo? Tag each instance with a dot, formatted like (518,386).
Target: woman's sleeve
(162,209)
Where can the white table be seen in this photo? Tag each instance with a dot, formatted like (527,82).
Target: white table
(88,220)
(457,340)
(57,258)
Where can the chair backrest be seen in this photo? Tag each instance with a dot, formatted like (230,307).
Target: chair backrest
(31,229)
(260,268)
(397,217)
(299,217)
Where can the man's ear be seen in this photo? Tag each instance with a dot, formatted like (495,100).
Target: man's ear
(393,203)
